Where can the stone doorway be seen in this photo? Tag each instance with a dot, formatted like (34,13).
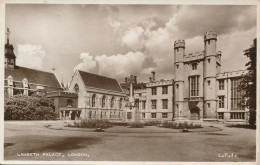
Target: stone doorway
(195,113)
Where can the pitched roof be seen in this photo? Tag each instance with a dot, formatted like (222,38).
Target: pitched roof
(97,81)
(33,76)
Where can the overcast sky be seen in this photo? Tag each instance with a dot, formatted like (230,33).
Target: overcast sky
(119,40)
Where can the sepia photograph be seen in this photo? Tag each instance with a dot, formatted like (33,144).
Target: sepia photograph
(129,83)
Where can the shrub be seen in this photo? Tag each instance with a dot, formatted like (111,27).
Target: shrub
(95,123)
(152,123)
(136,125)
(181,125)
(29,108)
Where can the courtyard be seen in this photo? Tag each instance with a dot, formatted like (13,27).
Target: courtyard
(50,140)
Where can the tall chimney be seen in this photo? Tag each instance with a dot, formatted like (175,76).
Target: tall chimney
(153,72)
(125,79)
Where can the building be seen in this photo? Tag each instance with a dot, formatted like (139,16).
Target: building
(201,91)
(26,81)
(99,97)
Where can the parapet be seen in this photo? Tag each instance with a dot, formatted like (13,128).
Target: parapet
(193,56)
(238,73)
(160,83)
(179,44)
(211,35)
(61,94)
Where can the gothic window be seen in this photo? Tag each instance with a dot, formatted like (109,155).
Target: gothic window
(112,102)
(154,91)
(221,101)
(164,103)
(237,115)
(120,103)
(69,103)
(143,104)
(221,84)
(164,115)
(236,94)
(165,90)
(103,102)
(221,115)
(194,85)
(76,88)
(153,104)
(94,100)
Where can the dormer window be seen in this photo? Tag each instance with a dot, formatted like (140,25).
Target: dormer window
(10,81)
(25,83)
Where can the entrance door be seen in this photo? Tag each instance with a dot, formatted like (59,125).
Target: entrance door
(195,113)
(73,115)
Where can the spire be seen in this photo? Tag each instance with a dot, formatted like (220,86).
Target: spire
(7,34)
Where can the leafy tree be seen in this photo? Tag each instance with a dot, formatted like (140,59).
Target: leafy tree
(29,108)
(248,83)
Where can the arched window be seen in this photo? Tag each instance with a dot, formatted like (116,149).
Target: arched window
(112,102)
(76,88)
(120,103)
(69,103)
(103,102)
(94,100)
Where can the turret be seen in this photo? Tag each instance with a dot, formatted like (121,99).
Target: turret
(179,51)
(210,39)
(10,58)
(210,72)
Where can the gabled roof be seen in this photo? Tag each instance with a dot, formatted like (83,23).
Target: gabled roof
(33,76)
(97,81)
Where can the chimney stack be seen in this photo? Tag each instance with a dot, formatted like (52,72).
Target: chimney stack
(150,79)
(125,79)
(135,79)
(153,72)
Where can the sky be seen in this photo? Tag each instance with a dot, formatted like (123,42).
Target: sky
(120,40)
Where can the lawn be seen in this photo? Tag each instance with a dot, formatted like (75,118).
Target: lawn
(52,141)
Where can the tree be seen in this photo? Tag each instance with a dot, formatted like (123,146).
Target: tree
(248,83)
(29,108)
